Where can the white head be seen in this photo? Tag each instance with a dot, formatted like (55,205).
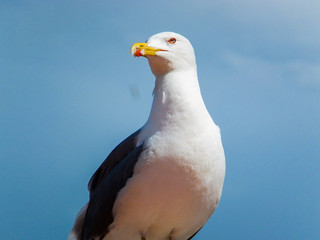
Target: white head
(166,51)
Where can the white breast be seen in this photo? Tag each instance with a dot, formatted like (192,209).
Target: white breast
(175,188)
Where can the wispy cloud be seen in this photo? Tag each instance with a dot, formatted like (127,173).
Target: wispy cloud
(271,20)
(252,68)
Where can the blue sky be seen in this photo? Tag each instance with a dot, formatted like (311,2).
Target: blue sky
(70,92)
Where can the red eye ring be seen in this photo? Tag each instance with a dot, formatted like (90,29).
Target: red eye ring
(172,40)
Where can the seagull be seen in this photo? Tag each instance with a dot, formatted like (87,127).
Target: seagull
(165,180)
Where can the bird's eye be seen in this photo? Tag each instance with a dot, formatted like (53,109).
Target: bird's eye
(172,40)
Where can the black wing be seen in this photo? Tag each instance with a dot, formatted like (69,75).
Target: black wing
(105,184)
(117,154)
(194,234)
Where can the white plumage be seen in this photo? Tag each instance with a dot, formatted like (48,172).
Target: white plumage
(178,177)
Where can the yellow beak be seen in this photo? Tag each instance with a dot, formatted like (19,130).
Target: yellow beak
(142,49)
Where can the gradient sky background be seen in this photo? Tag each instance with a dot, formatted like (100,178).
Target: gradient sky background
(70,92)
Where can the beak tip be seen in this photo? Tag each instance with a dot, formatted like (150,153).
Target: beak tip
(135,50)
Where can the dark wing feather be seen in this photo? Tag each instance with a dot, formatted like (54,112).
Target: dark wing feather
(103,194)
(117,154)
(194,234)
(105,184)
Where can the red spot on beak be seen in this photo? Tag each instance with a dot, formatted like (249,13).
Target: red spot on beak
(138,53)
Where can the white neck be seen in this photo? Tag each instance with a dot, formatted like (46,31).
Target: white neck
(176,96)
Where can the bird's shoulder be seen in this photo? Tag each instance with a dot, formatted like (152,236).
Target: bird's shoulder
(116,155)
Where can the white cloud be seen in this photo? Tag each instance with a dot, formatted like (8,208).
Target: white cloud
(272,20)
(305,72)
(255,69)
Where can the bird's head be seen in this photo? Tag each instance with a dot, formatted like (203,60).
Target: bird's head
(166,51)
